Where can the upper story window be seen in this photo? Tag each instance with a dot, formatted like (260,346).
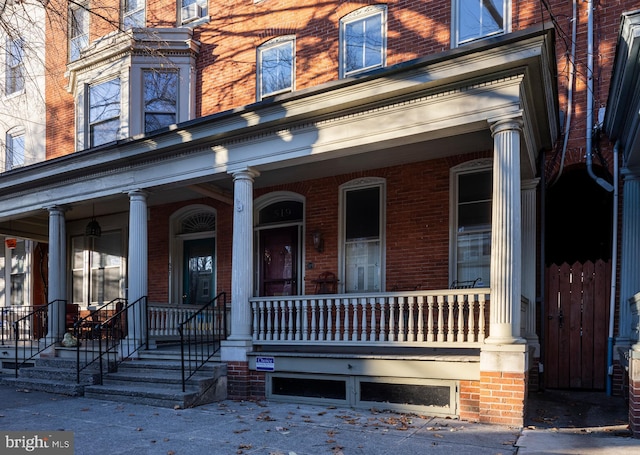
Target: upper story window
(104,112)
(15,66)
(472,186)
(192,10)
(276,68)
(160,98)
(477,19)
(363,40)
(15,150)
(133,14)
(78,31)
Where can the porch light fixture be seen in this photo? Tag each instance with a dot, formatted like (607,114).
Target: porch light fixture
(318,241)
(93,229)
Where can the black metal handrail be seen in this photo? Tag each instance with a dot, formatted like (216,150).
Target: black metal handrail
(36,324)
(201,335)
(88,334)
(118,336)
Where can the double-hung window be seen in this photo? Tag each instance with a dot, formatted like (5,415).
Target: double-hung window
(276,67)
(192,10)
(15,150)
(78,31)
(362,233)
(104,112)
(471,239)
(133,14)
(160,98)
(15,66)
(363,40)
(477,19)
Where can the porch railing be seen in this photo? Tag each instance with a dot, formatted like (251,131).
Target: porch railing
(201,334)
(163,320)
(30,333)
(90,333)
(439,318)
(9,315)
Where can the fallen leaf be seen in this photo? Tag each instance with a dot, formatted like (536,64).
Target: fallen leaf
(241,430)
(85,409)
(171,452)
(138,429)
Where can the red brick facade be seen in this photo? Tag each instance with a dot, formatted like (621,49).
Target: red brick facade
(417,195)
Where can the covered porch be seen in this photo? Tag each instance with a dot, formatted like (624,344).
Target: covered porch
(404,131)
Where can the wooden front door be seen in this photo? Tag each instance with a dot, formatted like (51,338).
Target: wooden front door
(279,261)
(576,325)
(198,287)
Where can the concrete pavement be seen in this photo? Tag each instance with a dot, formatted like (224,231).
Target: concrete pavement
(102,427)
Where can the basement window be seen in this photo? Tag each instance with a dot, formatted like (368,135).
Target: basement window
(334,389)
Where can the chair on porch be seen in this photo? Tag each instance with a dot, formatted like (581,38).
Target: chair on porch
(466,284)
(326,283)
(72,314)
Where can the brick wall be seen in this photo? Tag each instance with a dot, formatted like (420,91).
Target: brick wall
(238,384)
(502,397)
(469,408)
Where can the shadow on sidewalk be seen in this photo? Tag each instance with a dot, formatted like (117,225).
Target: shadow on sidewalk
(578,412)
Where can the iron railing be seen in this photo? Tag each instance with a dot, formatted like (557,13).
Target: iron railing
(30,334)
(8,316)
(201,335)
(88,333)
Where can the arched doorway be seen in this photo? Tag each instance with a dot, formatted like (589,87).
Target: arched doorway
(577,281)
(193,255)
(278,264)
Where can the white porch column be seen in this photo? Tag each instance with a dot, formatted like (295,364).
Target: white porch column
(529,256)
(137,264)
(57,274)
(506,224)
(630,248)
(239,342)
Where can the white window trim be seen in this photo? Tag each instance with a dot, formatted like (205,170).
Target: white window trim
(126,14)
(71,38)
(357,184)
(101,63)
(19,67)
(356,15)
(275,42)
(455,24)
(8,157)
(469,167)
(5,280)
(195,21)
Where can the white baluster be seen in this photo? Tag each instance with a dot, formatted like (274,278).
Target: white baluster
(420,300)
(392,319)
(262,321)
(402,333)
(270,317)
(460,338)
(481,323)
(322,331)
(383,336)
(255,312)
(451,304)
(290,321)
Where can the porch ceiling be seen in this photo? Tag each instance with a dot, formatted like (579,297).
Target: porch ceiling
(421,110)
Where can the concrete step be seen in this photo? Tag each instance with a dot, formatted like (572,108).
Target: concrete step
(44,385)
(53,374)
(168,397)
(159,383)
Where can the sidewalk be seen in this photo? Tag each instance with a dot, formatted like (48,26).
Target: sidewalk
(102,427)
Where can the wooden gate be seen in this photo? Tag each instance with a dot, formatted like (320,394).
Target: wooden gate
(577,321)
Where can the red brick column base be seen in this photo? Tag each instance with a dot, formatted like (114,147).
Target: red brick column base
(238,380)
(469,401)
(502,397)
